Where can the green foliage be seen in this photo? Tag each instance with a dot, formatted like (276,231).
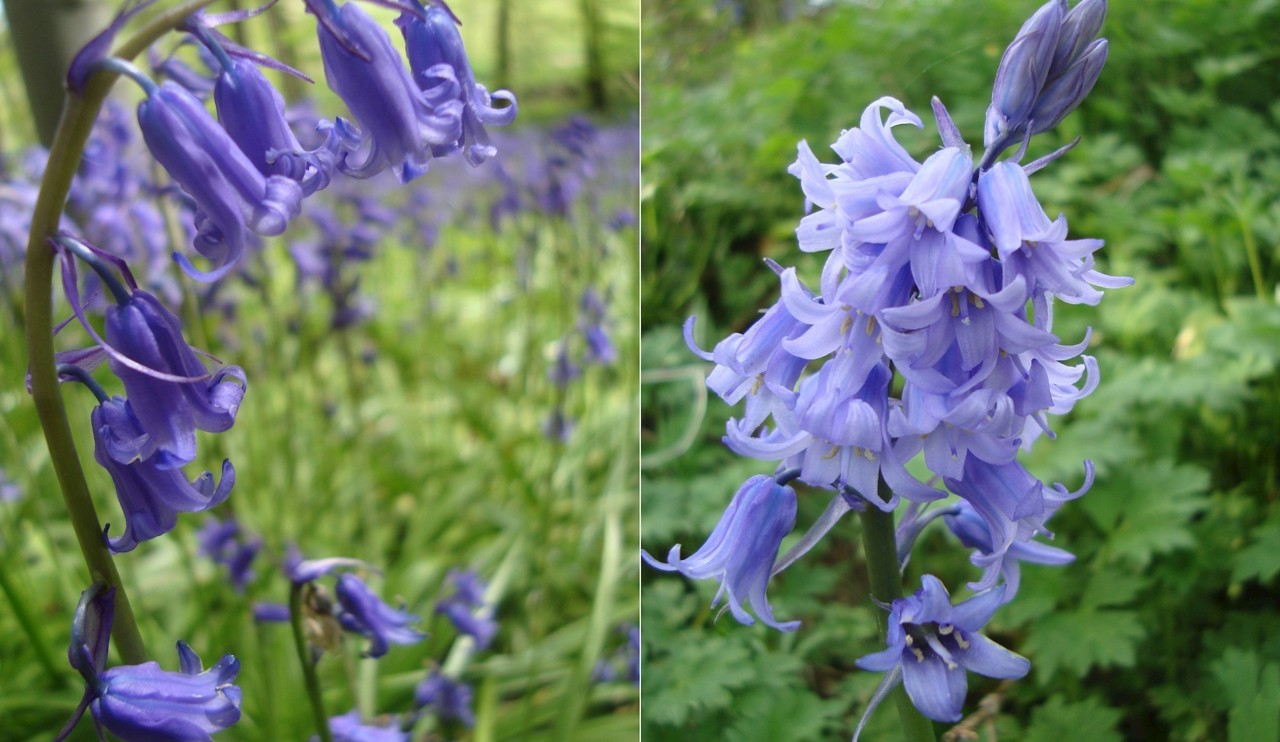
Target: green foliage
(1079,641)
(1252,696)
(1089,719)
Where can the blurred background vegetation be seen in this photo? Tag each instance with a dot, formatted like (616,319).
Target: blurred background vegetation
(1165,626)
(413,412)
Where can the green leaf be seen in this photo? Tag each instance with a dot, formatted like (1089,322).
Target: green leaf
(1253,695)
(795,715)
(1089,719)
(700,675)
(1148,512)
(1111,588)
(1079,641)
(1260,559)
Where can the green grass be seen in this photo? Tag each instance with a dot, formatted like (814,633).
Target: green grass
(426,457)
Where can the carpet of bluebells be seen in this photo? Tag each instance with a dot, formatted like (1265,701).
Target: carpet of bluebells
(1163,625)
(435,445)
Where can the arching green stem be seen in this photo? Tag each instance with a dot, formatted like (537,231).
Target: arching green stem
(78,116)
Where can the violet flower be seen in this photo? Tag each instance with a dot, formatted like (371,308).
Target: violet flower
(1045,73)
(432,41)
(366,614)
(170,391)
(150,494)
(972,531)
(466,608)
(350,728)
(252,111)
(231,195)
(143,702)
(449,699)
(740,552)
(400,124)
(9,490)
(933,644)
(226,543)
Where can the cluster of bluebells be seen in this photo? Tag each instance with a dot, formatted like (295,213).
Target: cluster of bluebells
(237,175)
(939,281)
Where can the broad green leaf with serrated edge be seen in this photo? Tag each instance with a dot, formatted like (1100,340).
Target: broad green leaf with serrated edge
(700,675)
(793,715)
(1109,588)
(1057,720)
(1148,512)
(1261,558)
(1252,695)
(1078,641)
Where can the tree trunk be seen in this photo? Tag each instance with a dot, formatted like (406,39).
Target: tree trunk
(47,34)
(594,53)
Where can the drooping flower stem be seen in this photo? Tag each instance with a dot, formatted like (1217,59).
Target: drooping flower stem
(310,679)
(883,572)
(78,117)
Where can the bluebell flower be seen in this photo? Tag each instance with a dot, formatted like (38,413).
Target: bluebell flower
(270,612)
(468,587)
(741,551)
(558,426)
(142,703)
(366,614)
(449,699)
(599,347)
(932,645)
(226,543)
(232,196)
(151,495)
(1033,247)
(400,124)
(252,111)
(466,609)
(9,490)
(1048,69)
(1013,506)
(755,365)
(199,82)
(970,528)
(170,391)
(431,40)
(350,728)
(476,624)
(563,370)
